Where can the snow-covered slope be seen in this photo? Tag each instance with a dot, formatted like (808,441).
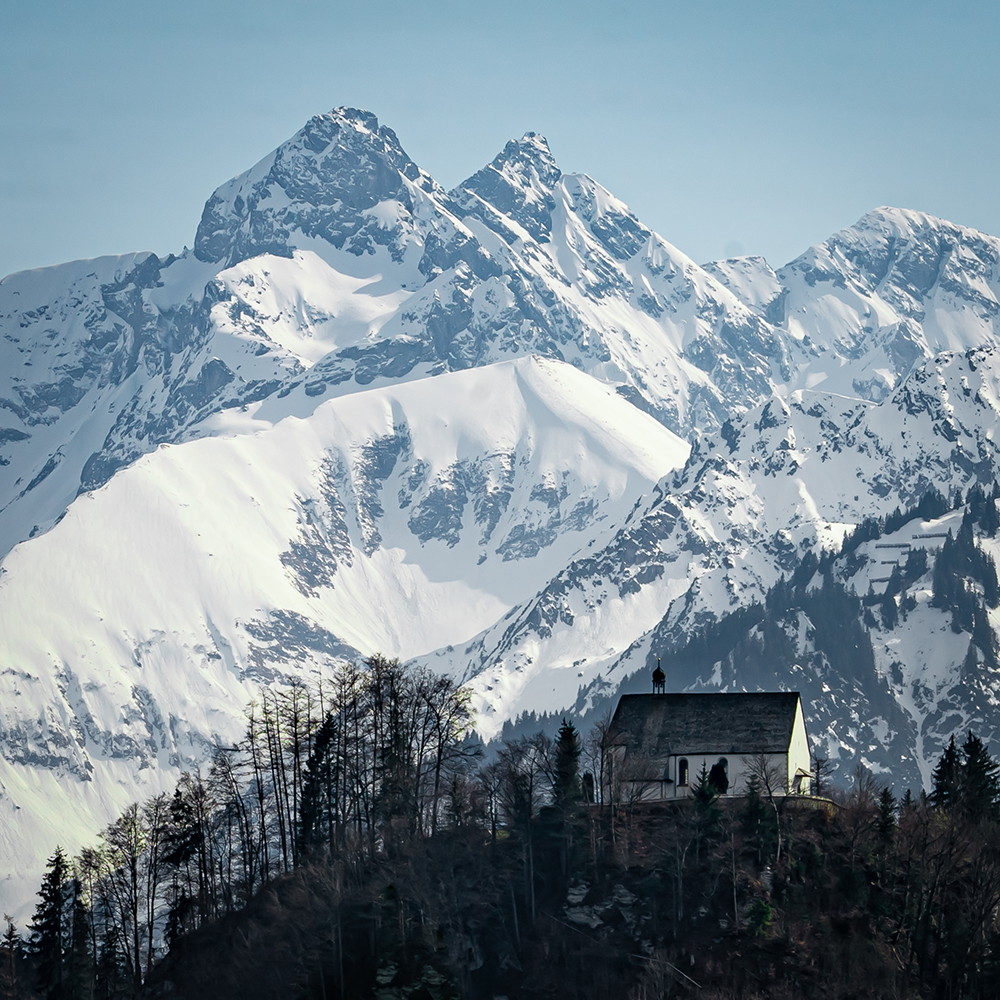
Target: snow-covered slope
(336,264)
(860,310)
(791,475)
(396,519)
(365,413)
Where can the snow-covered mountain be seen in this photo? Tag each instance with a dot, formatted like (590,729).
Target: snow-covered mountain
(394,519)
(790,476)
(861,309)
(506,429)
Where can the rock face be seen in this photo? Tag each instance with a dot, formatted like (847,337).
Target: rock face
(322,183)
(506,429)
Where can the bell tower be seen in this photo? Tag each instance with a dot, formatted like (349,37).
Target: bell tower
(659,679)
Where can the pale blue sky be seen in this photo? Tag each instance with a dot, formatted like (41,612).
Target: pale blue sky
(729,127)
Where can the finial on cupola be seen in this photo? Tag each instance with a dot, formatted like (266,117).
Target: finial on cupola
(659,678)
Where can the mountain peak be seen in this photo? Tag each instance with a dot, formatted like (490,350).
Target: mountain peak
(350,129)
(903,226)
(320,182)
(890,216)
(903,255)
(518,183)
(528,158)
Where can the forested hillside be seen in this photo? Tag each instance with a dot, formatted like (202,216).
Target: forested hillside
(358,844)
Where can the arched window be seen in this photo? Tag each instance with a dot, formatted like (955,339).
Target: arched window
(682,771)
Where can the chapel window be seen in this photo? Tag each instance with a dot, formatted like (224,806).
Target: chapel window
(682,771)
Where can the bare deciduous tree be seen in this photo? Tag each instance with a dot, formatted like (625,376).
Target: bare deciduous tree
(769,779)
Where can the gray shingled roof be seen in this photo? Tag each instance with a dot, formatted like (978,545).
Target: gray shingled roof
(658,725)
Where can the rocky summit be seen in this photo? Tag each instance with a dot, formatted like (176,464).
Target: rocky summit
(504,430)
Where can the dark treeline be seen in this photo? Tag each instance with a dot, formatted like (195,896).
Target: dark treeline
(357,843)
(982,510)
(352,769)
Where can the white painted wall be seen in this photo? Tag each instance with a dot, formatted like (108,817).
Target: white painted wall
(784,766)
(798,751)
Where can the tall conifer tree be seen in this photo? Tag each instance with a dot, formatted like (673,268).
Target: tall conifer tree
(946,778)
(980,782)
(566,778)
(49,924)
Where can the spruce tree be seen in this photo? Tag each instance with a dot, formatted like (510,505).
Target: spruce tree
(943,581)
(49,924)
(566,766)
(890,610)
(719,778)
(318,809)
(946,778)
(989,521)
(821,768)
(980,780)
(976,501)
(987,576)
(182,833)
(181,839)
(932,505)
(707,812)
(79,974)
(10,951)
(886,828)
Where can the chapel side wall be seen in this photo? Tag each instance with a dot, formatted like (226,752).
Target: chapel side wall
(798,748)
(740,770)
(654,791)
(747,764)
(741,767)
